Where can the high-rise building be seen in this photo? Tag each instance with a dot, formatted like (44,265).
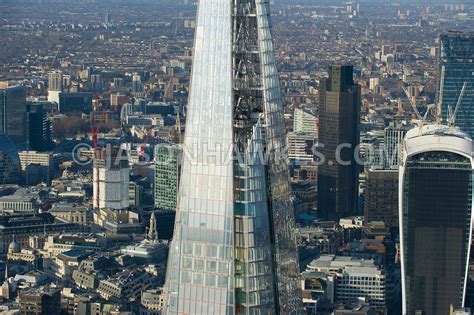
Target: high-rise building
(305,122)
(300,147)
(167,174)
(96,83)
(37,167)
(339,115)
(13,114)
(39,127)
(233,249)
(55,81)
(381,196)
(55,86)
(435,210)
(111,179)
(136,84)
(80,102)
(393,137)
(9,162)
(456,67)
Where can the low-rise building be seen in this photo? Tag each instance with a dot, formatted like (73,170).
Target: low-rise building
(64,264)
(56,244)
(22,201)
(117,221)
(20,228)
(40,300)
(125,285)
(152,302)
(73,213)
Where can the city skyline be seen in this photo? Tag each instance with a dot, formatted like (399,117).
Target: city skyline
(246,157)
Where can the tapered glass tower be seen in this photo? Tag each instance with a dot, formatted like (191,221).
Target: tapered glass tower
(456,69)
(233,250)
(435,204)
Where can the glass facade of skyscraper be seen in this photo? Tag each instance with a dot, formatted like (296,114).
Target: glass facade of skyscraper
(435,219)
(234,250)
(456,67)
(13,114)
(339,117)
(167,171)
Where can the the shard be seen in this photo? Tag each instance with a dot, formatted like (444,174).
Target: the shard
(234,250)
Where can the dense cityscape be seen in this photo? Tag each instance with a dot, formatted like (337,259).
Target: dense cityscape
(236,157)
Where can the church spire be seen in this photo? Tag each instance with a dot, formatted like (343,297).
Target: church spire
(152,231)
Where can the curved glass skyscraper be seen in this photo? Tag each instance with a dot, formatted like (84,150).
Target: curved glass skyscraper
(456,68)
(436,180)
(234,250)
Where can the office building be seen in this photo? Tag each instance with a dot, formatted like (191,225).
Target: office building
(20,227)
(456,67)
(305,122)
(40,300)
(21,202)
(73,213)
(96,83)
(117,221)
(39,127)
(381,196)
(435,209)
(233,249)
(117,100)
(55,81)
(137,84)
(393,137)
(55,86)
(340,102)
(9,161)
(110,179)
(13,114)
(125,285)
(167,174)
(300,147)
(152,302)
(349,278)
(37,167)
(57,244)
(80,102)
(135,194)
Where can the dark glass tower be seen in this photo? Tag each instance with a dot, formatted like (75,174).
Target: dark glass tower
(13,114)
(456,67)
(234,250)
(39,127)
(339,115)
(435,204)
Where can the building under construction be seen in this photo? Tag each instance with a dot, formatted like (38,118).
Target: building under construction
(111,177)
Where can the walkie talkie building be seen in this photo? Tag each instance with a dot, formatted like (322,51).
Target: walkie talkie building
(435,204)
(234,250)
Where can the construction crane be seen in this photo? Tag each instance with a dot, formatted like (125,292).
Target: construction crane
(452,117)
(415,109)
(59,48)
